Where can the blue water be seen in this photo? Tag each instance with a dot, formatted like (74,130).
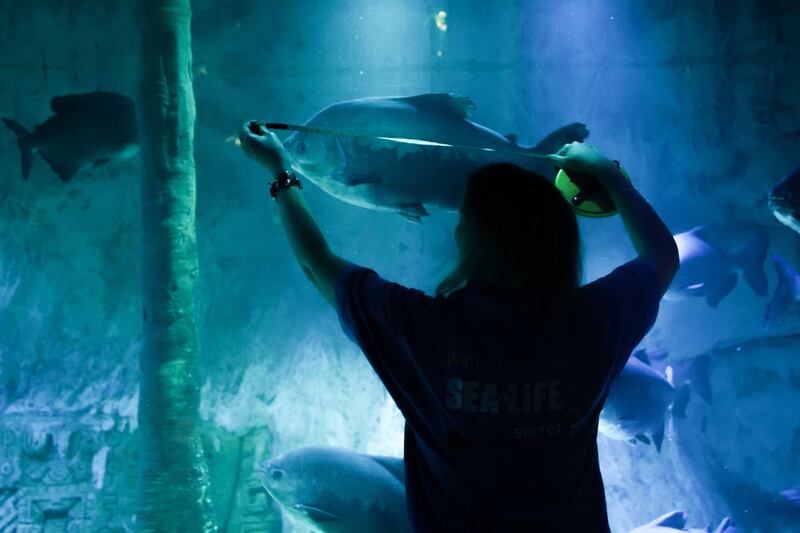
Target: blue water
(700,101)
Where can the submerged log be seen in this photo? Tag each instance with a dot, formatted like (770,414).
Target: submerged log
(173,490)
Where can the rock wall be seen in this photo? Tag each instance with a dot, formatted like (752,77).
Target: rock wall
(79,473)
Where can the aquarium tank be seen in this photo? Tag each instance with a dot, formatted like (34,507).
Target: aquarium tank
(166,364)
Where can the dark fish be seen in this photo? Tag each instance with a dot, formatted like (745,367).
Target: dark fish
(708,272)
(784,200)
(786,295)
(86,130)
(650,355)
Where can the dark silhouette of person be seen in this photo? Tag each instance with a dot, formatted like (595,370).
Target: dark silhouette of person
(502,374)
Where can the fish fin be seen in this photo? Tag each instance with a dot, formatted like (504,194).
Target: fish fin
(65,172)
(394,465)
(751,257)
(682,397)
(641,437)
(25,144)
(512,138)
(101,162)
(658,437)
(444,103)
(18,129)
(361,179)
(726,526)
(641,355)
(699,231)
(412,211)
(554,140)
(673,519)
(792,495)
(720,288)
(700,379)
(410,217)
(786,292)
(315,514)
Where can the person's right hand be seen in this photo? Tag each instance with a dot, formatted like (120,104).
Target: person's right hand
(582,158)
(263,146)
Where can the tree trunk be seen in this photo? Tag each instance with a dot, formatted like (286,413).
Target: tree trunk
(173,477)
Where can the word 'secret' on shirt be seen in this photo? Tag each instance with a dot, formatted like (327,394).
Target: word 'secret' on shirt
(501,398)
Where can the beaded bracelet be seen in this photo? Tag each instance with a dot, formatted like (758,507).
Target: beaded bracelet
(283,181)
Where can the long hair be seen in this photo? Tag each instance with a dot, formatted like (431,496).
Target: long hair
(516,233)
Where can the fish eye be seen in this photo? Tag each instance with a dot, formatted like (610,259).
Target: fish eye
(301,148)
(276,474)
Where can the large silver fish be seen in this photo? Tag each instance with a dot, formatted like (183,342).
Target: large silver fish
(676,521)
(786,295)
(409,177)
(784,200)
(637,404)
(86,130)
(331,490)
(708,272)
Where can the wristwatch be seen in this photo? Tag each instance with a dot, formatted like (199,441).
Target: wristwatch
(283,181)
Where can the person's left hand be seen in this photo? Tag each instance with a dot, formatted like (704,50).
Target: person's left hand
(263,146)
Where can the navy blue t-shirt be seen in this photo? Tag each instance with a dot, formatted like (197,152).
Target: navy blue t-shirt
(501,396)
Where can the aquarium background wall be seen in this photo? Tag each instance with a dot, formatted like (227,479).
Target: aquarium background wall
(699,100)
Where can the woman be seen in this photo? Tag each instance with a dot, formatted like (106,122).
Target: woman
(500,377)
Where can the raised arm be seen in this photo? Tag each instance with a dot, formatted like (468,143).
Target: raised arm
(310,248)
(649,235)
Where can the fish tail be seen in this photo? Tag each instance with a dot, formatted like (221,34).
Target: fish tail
(658,436)
(700,376)
(726,526)
(751,258)
(682,397)
(25,143)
